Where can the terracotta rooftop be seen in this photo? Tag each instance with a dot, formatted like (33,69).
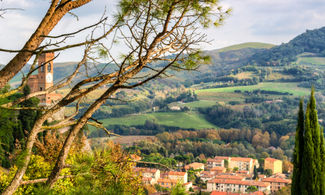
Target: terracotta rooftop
(195,165)
(241,159)
(243,172)
(232,177)
(238,182)
(261,176)
(221,157)
(214,160)
(217,169)
(146,178)
(145,170)
(167,180)
(232,193)
(176,173)
(276,180)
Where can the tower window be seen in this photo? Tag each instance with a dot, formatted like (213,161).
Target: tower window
(41,89)
(42,68)
(49,68)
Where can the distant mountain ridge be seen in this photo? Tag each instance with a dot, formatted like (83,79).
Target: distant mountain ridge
(312,41)
(222,60)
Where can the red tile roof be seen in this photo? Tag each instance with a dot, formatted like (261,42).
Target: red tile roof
(217,169)
(221,157)
(238,182)
(145,170)
(176,173)
(232,177)
(232,193)
(276,180)
(241,159)
(214,160)
(167,181)
(195,165)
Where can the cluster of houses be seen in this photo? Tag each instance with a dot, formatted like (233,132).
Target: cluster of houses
(223,175)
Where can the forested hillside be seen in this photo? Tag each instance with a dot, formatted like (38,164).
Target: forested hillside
(312,41)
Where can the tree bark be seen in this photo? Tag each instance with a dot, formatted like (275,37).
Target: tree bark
(15,183)
(49,21)
(60,163)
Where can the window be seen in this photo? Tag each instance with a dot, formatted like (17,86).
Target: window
(42,68)
(49,67)
(41,89)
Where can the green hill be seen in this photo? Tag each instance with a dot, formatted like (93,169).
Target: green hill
(256,45)
(312,41)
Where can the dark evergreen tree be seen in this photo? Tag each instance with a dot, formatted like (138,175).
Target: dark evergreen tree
(255,173)
(322,155)
(311,154)
(298,151)
(315,128)
(28,117)
(308,170)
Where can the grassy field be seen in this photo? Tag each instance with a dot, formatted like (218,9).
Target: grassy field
(177,119)
(211,95)
(195,104)
(247,45)
(311,60)
(268,86)
(123,140)
(243,75)
(276,76)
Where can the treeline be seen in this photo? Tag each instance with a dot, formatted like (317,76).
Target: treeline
(15,125)
(186,146)
(267,115)
(132,107)
(150,127)
(311,41)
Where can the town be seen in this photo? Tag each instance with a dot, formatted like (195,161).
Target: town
(222,174)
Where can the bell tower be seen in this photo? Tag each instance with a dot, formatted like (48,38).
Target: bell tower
(45,72)
(44,79)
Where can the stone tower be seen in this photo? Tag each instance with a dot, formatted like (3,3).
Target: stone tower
(44,79)
(45,72)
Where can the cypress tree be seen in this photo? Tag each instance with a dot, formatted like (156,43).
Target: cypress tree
(317,143)
(307,178)
(313,154)
(298,152)
(322,155)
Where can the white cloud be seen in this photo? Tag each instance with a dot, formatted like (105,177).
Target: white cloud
(272,21)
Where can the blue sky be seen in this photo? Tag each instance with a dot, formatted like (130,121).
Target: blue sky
(270,21)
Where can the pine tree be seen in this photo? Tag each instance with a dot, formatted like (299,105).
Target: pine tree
(298,151)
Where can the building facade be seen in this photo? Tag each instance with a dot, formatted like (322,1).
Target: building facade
(274,164)
(44,79)
(241,186)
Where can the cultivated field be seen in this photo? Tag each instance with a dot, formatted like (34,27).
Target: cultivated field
(123,140)
(184,120)
(311,60)
(268,86)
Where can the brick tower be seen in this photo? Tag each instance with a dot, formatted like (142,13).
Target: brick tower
(45,72)
(44,79)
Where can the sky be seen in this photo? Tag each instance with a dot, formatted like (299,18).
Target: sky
(269,21)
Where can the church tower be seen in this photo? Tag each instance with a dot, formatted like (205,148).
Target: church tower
(44,79)
(45,72)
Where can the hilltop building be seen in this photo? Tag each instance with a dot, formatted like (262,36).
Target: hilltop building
(277,183)
(44,79)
